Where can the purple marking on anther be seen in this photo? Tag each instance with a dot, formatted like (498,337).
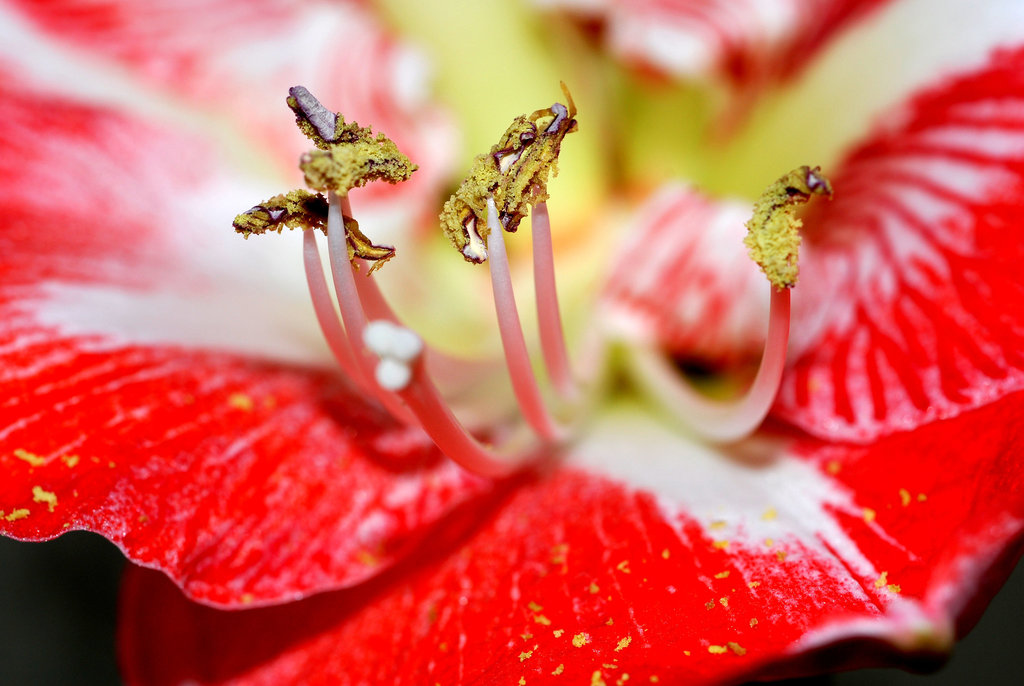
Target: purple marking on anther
(323,120)
(560,114)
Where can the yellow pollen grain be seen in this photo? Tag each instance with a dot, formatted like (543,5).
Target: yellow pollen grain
(894,588)
(524,656)
(241,401)
(42,496)
(534,607)
(753,584)
(622,680)
(69,460)
(736,648)
(882,580)
(522,681)
(664,554)
(581,639)
(623,567)
(597,680)
(610,621)
(558,632)
(718,650)
(769,542)
(869,515)
(655,679)
(833,467)
(247,598)
(718,524)
(526,637)
(32,459)
(781,555)
(724,600)
(722,575)
(904,497)
(710,605)
(594,588)
(753,622)
(686,653)
(367,558)
(558,670)
(720,545)
(542,620)
(19,513)
(769,514)
(921,497)
(623,643)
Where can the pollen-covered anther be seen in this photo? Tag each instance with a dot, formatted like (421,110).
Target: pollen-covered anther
(773,232)
(348,155)
(514,173)
(296,209)
(397,348)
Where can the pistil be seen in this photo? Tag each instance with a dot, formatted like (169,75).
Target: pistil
(773,240)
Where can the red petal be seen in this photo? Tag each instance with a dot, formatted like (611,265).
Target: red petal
(236,60)
(245,481)
(748,43)
(580,576)
(910,306)
(678,284)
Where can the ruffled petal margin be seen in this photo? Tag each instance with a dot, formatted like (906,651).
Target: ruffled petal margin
(705,570)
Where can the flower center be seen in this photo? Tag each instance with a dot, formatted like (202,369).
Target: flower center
(389,362)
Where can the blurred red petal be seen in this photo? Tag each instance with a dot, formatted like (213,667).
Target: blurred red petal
(246,481)
(910,306)
(574,575)
(236,60)
(748,43)
(685,282)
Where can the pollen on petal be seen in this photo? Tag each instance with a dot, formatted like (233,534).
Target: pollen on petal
(40,495)
(773,233)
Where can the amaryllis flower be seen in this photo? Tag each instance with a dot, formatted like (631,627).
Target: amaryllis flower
(166,384)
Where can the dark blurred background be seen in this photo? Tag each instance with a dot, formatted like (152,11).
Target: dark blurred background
(57,623)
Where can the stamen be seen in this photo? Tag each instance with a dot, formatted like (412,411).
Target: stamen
(352,313)
(773,241)
(415,399)
(327,317)
(524,382)
(552,337)
(384,359)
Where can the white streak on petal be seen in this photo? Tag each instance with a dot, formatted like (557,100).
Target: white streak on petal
(693,479)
